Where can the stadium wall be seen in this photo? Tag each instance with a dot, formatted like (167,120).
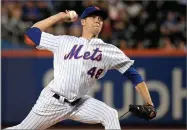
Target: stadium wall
(25,73)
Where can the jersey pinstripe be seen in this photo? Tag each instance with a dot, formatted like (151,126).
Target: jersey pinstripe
(71,78)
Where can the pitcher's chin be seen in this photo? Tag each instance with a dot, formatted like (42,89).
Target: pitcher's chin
(96,31)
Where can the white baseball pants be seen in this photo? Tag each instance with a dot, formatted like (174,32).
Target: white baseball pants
(48,111)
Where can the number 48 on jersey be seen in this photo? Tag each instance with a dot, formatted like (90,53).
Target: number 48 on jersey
(94,72)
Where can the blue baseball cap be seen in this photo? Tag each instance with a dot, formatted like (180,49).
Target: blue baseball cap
(94,10)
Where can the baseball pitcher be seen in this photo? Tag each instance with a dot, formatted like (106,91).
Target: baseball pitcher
(78,63)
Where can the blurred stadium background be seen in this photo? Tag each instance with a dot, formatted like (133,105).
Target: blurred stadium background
(153,33)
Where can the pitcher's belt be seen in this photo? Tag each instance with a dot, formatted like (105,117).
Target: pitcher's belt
(65,100)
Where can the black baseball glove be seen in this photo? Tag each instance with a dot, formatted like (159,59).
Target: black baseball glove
(146,112)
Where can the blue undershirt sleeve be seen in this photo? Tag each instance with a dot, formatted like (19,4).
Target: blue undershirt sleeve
(133,75)
(34,34)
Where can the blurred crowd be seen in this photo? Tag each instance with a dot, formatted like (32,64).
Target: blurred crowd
(131,24)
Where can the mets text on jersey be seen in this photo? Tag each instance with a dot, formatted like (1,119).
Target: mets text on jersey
(96,55)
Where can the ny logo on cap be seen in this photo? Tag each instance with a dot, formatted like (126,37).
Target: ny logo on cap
(97,8)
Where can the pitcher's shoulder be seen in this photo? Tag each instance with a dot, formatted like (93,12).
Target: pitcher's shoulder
(110,45)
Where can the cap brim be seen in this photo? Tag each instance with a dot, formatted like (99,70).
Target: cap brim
(99,13)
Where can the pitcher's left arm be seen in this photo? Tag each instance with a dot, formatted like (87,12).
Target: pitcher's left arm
(140,85)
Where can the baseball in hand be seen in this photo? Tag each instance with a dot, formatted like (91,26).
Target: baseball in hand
(73,15)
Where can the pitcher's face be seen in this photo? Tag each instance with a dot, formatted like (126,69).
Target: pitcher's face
(93,24)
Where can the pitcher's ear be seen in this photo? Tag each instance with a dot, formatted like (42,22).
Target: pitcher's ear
(83,22)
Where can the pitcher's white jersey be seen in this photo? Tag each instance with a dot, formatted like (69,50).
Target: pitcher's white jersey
(79,62)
